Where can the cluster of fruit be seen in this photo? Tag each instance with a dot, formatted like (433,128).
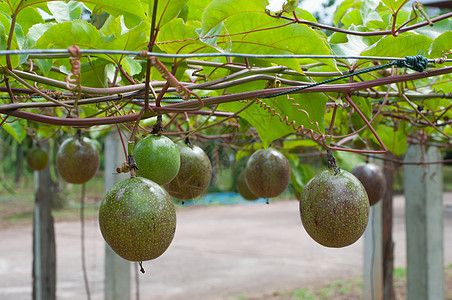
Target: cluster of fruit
(137,217)
(334,205)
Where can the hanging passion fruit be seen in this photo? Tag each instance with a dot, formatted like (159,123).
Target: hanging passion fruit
(194,174)
(243,189)
(77,159)
(373,180)
(334,208)
(267,173)
(37,158)
(137,219)
(157,158)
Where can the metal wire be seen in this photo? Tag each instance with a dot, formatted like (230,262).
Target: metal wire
(193,55)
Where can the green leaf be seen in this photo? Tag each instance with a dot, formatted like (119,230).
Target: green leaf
(406,44)
(348,160)
(93,73)
(132,10)
(131,66)
(64,12)
(167,10)
(196,8)
(294,39)
(342,9)
(187,40)
(16,129)
(300,174)
(36,32)
(266,116)
(353,17)
(442,44)
(220,10)
(4,32)
(28,17)
(85,35)
(394,140)
(365,107)
(394,5)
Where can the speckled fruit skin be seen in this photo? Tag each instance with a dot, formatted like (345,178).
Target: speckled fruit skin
(37,159)
(137,219)
(157,158)
(194,174)
(243,188)
(77,162)
(373,180)
(267,173)
(334,209)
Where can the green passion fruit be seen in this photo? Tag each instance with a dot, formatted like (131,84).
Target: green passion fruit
(157,158)
(194,174)
(373,180)
(243,189)
(334,208)
(37,158)
(77,159)
(267,173)
(137,219)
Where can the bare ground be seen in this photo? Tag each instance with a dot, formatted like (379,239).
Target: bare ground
(219,252)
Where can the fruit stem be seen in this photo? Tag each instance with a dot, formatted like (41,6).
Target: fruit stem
(141,267)
(332,162)
(78,135)
(158,126)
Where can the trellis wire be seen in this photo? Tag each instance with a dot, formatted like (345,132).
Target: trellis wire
(198,55)
(417,63)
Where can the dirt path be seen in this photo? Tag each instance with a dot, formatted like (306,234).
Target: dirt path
(219,252)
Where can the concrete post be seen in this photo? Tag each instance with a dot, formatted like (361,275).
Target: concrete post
(424,224)
(373,255)
(44,255)
(117,270)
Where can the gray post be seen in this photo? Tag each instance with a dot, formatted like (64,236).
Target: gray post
(373,255)
(424,224)
(117,270)
(44,258)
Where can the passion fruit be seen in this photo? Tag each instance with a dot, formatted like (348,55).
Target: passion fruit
(243,189)
(157,158)
(267,173)
(77,159)
(373,180)
(194,174)
(37,158)
(334,208)
(137,219)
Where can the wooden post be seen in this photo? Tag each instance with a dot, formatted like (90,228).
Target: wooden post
(387,242)
(424,224)
(373,255)
(117,270)
(44,260)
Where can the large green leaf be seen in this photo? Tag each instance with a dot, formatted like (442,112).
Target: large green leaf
(64,12)
(394,140)
(85,35)
(132,10)
(16,42)
(16,129)
(442,44)
(220,10)
(196,8)
(167,10)
(406,44)
(266,115)
(178,37)
(394,5)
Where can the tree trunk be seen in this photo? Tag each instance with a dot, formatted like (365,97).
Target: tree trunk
(44,261)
